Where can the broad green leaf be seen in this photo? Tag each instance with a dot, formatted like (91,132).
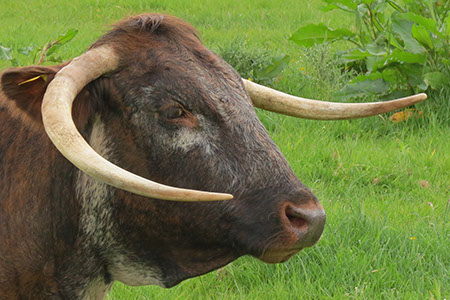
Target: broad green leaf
(5,53)
(420,87)
(363,87)
(274,68)
(52,49)
(373,61)
(436,80)
(68,36)
(402,57)
(403,28)
(312,34)
(391,75)
(61,40)
(414,76)
(355,54)
(396,93)
(372,76)
(393,41)
(376,50)
(446,61)
(421,34)
(429,24)
(407,57)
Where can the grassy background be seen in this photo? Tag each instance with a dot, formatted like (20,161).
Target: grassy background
(385,186)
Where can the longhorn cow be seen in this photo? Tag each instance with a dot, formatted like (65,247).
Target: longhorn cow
(91,149)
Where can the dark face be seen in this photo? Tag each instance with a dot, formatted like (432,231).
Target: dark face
(187,121)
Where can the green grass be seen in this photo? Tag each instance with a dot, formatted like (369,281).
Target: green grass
(387,235)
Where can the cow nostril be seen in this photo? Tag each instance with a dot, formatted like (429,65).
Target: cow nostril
(296,220)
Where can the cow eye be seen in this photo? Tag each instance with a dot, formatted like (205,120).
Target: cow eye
(174,112)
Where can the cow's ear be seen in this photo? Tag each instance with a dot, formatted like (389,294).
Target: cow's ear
(25,87)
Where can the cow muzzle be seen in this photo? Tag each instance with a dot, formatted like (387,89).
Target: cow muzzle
(303,222)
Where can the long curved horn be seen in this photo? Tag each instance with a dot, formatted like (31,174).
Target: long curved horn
(59,125)
(276,101)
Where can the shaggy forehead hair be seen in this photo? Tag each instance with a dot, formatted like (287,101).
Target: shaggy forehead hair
(127,34)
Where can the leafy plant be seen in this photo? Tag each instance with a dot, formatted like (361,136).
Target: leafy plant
(38,54)
(257,64)
(395,49)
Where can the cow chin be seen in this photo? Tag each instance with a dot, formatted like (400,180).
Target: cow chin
(278,256)
(190,267)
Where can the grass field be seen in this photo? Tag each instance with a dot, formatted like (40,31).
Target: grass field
(385,186)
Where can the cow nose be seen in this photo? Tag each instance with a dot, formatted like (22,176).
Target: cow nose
(302,221)
(305,221)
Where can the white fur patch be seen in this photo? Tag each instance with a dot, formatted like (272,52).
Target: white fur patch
(96,211)
(97,223)
(187,138)
(127,271)
(97,290)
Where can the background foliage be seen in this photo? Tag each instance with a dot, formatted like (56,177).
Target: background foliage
(398,49)
(384,185)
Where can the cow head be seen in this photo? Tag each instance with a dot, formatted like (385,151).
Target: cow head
(153,100)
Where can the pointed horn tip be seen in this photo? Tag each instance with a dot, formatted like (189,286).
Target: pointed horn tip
(210,197)
(220,197)
(228,197)
(417,98)
(422,96)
